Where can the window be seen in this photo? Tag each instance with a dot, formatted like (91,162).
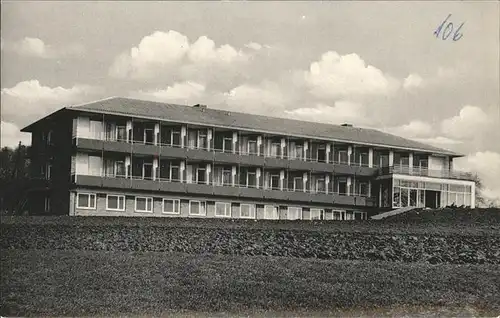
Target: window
(252,147)
(297,184)
(271,212)
(349,215)
(174,173)
(226,176)
(147,171)
(171,206)
(121,133)
(343,156)
(85,201)
(120,169)
(251,179)
(148,136)
(115,202)
(247,211)
(320,185)
(227,144)
(299,152)
(201,175)
(197,208)
(223,209)
(315,214)
(47,204)
(294,213)
(202,140)
(175,138)
(275,182)
(143,204)
(275,149)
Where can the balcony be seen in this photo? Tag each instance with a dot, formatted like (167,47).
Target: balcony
(424,172)
(239,191)
(228,157)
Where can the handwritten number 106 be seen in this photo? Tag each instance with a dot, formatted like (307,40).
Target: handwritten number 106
(448,30)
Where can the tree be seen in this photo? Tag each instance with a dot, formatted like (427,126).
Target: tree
(14,177)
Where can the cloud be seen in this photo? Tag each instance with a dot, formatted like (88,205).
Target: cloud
(29,100)
(266,98)
(414,129)
(487,165)
(342,112)
(180,93)
(256,46)
(466,124)
(35,47)
(163,52)
(439,141)
(413,81)
(11,135)
(337,75)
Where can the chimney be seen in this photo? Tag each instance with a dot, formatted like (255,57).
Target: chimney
(200,107)
(346,125)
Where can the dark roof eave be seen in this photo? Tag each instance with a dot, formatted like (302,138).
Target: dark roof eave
(30,127)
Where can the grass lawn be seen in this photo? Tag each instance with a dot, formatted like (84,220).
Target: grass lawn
(99,283)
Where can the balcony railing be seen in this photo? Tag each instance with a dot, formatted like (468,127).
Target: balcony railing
(425,172)
(260,153)
(218,184)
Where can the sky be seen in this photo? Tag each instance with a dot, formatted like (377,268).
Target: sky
(381,65)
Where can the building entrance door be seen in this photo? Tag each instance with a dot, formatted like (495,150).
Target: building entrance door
(432,199)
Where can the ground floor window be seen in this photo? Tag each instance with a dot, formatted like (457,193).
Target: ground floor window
(197,208)
(349,215)
(223,209)
(115,202)
(247,211)
(337,215)
(86,200)
(315,214)
(171,206)
(143,204)
(271,212)
(294,213)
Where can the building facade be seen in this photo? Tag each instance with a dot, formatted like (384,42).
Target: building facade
(131,157)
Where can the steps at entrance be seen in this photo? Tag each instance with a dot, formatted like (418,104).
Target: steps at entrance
(393,212)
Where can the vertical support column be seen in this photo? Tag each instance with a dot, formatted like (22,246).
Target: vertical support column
(332,150)
(209,139)
(283,145)
(327,183)
(156,134)
(259,143)
(282,177)
(348,190)
(183,136)
(130,129)
(208,170)
(327,150)
(391,158)
(257,177)
(267,147)
(304,182)
(233,175)
(369,188)
(182,168)
(349,153)
(155,168)
(306,147)
(410,162)
(127,166)
(370,157)
(473,196)
(235,140)
(380,196)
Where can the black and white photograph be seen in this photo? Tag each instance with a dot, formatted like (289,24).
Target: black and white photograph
(250,159)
